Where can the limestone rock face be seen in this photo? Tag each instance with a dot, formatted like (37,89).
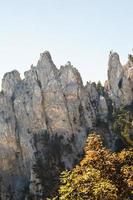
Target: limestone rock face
(45,118)
(93,95)
(103,109)
(9,82)
(120,81)
(115,73)
(47,100)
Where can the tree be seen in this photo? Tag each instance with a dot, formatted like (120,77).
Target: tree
(47,166)
(100,88)
(100,175)
(123,124)
(130,57)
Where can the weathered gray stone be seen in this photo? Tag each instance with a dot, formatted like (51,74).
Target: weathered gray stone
(9,82)
(47,99)
(120,80)
(49,113)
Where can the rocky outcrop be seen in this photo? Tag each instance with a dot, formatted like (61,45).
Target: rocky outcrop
(44,121)
(120,81)
(47,102)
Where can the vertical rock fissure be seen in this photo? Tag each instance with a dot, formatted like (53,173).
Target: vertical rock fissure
(19,153)
(68,114)
(65,101)
(43,105)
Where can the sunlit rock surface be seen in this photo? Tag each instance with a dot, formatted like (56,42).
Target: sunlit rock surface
(120,79)
(47,99)
(50,112)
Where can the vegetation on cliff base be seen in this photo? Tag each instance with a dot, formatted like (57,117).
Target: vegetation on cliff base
(123,124)
(130,57)
(101,175)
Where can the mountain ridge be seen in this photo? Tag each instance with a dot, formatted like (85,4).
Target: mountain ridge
(50,112)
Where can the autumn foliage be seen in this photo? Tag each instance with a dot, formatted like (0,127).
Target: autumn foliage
(101,175)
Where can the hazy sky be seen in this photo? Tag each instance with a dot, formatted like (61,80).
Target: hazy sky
(80,31)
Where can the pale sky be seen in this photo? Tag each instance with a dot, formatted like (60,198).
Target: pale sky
(80,31)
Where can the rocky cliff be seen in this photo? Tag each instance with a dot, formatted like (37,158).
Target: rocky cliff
(45,118)
(120,80)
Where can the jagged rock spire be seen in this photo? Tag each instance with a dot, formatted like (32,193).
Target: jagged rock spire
(9,82)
